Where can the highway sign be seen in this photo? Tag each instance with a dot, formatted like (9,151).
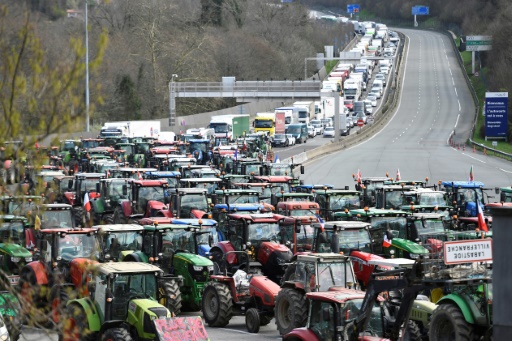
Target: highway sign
(478,43)
(370,119)
(420,10)
(496,114)
(352,8)
(467,251)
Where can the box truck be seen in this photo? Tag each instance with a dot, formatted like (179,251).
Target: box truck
(230,126)
(131,128)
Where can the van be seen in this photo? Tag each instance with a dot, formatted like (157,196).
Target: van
(378,84)
(359,108)
(299,131)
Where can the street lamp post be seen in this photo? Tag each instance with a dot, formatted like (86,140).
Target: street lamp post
(172,101)
(86,72)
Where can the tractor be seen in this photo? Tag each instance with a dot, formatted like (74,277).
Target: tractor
(336,200)
(367,186)
(426,200)
(186,203)
(258,233)
(200,150)
(116,242)
(244,292)
(111,195)
(309,273)
(122,305)
(172,247)
(13,252)
(81,184)
(64,261)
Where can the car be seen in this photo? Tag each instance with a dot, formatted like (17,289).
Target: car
(291,139)
(311,131)
(369,109)
(280,140)
(350,121)
(319,128)
(381,77)
(329,131)
(327,122)
(349,104)
(372,99)
(375,92)
(361,116)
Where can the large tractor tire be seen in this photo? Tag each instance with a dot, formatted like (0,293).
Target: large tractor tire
(217,305)
(79,214)
(109,219)
(412,332)
(75,326)
(172,296)
(289,274)
(265,319)
(116,334)
(119,217)
(291,310)
(448,324)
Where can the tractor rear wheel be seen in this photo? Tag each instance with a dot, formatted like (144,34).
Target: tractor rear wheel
(291,310)
(448,323)
(79,213)
(75,326)
(119,217)
(116,334)
(412,332)
(172,296)
(108,218)
(289,274)
(217,304)
(252,320)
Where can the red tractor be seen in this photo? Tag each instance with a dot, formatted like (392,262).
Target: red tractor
(62,271)
(237,293)
(77,187)
(258,233)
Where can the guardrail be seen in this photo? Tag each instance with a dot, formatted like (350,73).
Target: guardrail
(242,86)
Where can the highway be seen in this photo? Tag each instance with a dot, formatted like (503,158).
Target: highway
(434,101)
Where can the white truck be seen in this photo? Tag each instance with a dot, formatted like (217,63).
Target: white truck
(131,128)
(306,111)
(326,107)
(229,125)
(352,88)
(291,115)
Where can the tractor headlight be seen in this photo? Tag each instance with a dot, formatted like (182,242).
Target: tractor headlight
(107,256)
(28,259)
(197,268)
(210,268)
(15,259)
(414,256)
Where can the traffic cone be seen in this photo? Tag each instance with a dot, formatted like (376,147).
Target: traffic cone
(474,149)
(485,151)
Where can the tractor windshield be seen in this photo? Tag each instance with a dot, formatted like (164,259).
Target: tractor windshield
(432,199)
(87,144)
(202,146)
(243,199)
(88,184)
(281,170)
(20,208)
(252,169)
(264,231)
(76,245)
(57,218)
(389,222)
(304,213)
(334,274)
(393,199)
(126,287)
(12,232)
(151,193)
(429,226)
(194,201)
(340,202)
(280,187)
(115,190)
(351,311)
(123,241)
(353,239)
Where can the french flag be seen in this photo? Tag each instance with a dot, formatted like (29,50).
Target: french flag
(481,220)
(321,221)
(87,203)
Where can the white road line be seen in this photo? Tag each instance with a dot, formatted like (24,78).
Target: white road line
(474,158)
(505,171)
(456,92)
(450,72)
(238,331)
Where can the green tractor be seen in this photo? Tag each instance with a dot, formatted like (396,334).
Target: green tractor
(122,305)
(111,196)
(13,254)
(173,247)
(10,309)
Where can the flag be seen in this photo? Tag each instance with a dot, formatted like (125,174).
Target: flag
(471,176)
(359,177)
(140,176)
(386,242)
(87,203)
(321,221)
(108,173)
(481,220)
(276,159)
(236,154)
(37,223)
(398,175)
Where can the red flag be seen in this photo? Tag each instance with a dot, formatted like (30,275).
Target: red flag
(359,177)
(481,220)
(471,175)
(108,173)
(398,175)
(87,203)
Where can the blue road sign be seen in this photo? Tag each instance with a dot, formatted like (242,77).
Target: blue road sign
(420,10)
(352,8)
(496,114)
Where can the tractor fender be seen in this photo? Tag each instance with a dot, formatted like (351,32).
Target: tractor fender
(301,334)
(127,208)
(39,271)
(137,256)
(264,289)
(198,214)
(461,303)
(225,247)
(91,311)
(110,324)
(156,205)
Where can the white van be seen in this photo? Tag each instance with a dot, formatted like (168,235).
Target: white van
(378,84)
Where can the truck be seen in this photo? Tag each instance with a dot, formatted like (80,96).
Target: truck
(131,128)
(280,124)
(229,126)
(306,111)
(326,108)
(291,115)
(265,122)
(352,88)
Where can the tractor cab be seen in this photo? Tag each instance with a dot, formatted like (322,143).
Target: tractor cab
(332,201)
(117,241)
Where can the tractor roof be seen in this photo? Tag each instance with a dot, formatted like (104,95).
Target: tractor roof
(5,218)
(239,207)
(337,192)
(90,175)
(69,231)
(150,183)
(339,295)
(201,180)
(15,250)
(237,191)
(119,228)
(424,215)
(127,268)
(274,178)
(330,225)
(379,212)
(184,191)
(298,205)
(57,207)
(463,184)
(162,174)
(259,217)
(194,222)
(153,227)
(323,257)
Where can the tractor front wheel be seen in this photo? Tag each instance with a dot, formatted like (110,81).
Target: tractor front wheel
(116,334)
(172,295)
(291,310)
(448,324)
(217,304)
(252,320)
